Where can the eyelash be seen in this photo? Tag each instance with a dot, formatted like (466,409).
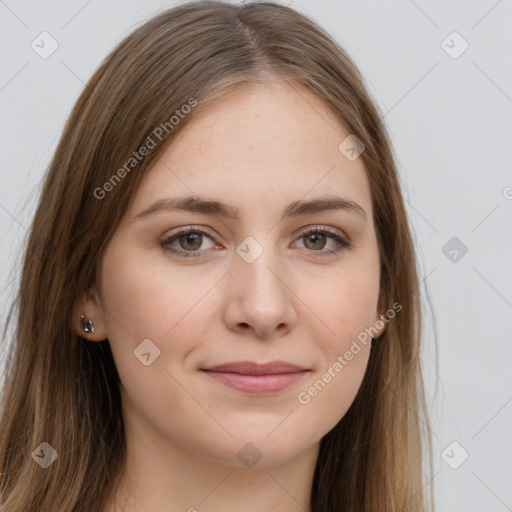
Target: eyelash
(343,243)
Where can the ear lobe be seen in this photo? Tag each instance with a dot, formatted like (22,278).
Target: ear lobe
(90,307)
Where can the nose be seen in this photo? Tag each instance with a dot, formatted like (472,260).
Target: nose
(260,297)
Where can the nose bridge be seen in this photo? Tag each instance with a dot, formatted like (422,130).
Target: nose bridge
(262,297)
(258,268)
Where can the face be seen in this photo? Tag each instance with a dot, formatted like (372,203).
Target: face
(278,283)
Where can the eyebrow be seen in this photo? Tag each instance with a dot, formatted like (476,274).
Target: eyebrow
(198,204)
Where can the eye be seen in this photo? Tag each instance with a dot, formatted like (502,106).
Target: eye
(190,240)
(316,237)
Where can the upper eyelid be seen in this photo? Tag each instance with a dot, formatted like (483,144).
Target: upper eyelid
(314,227)
(184,230)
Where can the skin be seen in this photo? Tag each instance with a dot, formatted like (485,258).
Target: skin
(259,149)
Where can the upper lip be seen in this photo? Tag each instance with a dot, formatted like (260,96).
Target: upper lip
(252,368)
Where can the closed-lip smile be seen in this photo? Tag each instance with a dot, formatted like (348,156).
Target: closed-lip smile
(252,377)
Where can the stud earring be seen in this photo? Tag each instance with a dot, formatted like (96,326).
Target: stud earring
(86,325)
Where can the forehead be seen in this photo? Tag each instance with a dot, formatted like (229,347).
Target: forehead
(261,145)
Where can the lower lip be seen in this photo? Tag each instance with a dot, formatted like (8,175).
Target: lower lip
(256,383)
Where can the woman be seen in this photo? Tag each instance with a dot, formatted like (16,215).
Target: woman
(219,308)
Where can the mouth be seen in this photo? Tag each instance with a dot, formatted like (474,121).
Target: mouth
(251,377)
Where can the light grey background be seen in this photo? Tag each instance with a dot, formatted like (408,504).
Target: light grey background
(450,120)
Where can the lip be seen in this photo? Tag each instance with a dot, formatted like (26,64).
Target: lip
(252,377)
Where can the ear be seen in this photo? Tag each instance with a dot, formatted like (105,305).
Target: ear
(90,306)
(380,319)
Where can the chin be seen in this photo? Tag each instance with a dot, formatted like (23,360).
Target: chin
(258,449)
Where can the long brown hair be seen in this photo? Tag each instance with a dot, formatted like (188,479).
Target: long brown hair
(64,391)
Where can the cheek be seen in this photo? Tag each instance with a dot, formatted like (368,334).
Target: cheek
(324,400)
(143,295)
(345,304)
(153,318)
(144,299)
